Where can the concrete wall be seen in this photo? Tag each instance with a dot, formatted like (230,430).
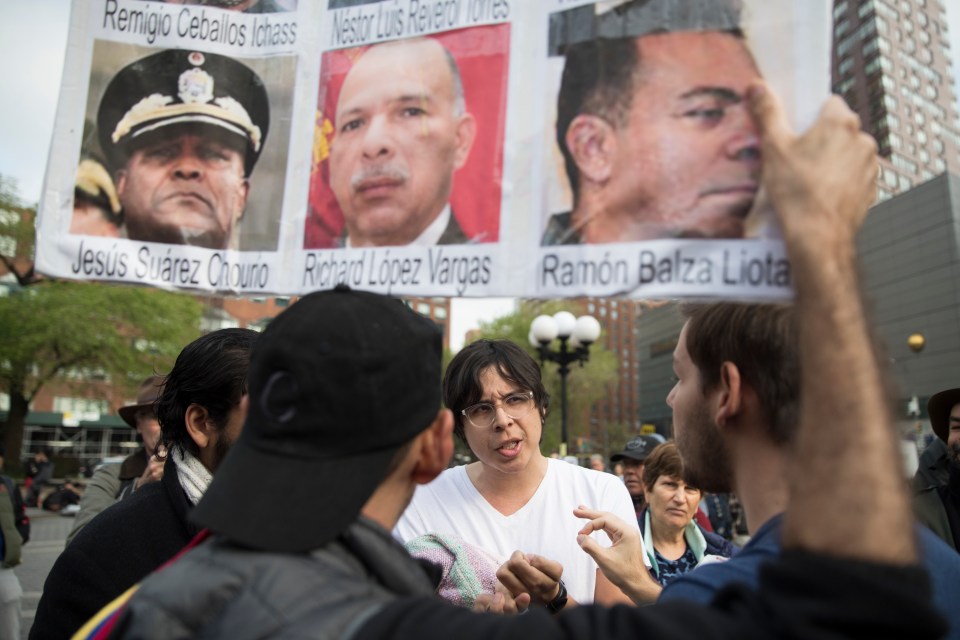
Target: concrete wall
(910,252)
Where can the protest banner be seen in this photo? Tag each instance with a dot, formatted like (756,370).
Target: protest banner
(429,148)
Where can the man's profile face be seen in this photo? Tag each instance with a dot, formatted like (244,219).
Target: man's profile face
(149,429)
(187,188)
(398,141)
(687,163)
(633,477)
(953,434)
(705,459)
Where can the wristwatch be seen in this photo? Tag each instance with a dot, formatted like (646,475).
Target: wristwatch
(560,601)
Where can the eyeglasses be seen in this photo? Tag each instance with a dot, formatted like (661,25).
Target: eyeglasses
(515,405)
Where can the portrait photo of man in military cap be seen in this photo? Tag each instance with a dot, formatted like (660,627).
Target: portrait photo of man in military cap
(181,134)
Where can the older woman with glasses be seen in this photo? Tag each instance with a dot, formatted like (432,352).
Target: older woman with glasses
(513,498)
(675,544)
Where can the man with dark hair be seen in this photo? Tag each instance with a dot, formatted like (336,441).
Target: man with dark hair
(653,126)
(402,130)
(182,131)
(200,414)
(937,503)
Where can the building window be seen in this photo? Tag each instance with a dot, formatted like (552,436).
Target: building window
(845,66)
(890,178)
(440,313)
(80,405)
(839,9)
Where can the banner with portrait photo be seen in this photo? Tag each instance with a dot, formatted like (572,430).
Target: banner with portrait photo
(169,161)
(652,160)
(425,147)
(408,148)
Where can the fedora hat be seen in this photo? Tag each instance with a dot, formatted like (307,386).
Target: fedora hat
(147,395)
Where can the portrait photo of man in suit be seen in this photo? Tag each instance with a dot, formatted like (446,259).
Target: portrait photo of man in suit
(402,130)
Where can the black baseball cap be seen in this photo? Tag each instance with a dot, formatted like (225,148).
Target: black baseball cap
(638,448)
(337,384)
(178,87)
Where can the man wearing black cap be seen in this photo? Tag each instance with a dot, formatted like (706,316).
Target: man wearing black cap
(182,132)
(938,505)
(113,482)
(632,458)
(344,394)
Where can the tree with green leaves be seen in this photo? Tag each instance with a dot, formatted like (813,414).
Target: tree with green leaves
(585,384)
(51,328)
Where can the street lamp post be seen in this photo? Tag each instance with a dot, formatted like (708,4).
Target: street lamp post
(575,336)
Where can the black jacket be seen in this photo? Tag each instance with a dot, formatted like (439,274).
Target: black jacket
(115,551)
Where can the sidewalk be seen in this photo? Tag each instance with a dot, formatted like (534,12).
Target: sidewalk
(48,533)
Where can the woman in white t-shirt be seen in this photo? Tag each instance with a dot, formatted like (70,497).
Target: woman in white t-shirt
(514,498)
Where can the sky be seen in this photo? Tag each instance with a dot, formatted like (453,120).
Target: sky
(33,38)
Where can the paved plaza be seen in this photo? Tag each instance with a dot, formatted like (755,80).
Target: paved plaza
(48,532)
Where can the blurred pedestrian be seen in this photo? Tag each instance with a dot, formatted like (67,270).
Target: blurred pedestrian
(14,532)
(632,458)
(597,463)
(40,472)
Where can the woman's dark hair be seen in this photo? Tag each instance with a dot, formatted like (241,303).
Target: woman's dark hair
(211,372)
(461,382)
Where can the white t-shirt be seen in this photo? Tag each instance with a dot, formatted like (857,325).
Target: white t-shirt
(545,525)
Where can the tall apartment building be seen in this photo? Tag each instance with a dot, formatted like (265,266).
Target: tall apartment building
(618,318)
(892,64)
